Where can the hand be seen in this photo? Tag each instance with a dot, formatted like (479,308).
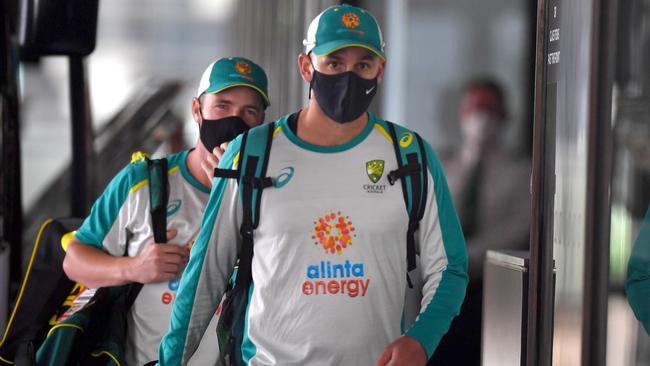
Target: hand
(158,262)
(405,351)
(212,161)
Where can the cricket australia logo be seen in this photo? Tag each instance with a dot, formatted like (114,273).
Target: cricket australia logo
(374,169)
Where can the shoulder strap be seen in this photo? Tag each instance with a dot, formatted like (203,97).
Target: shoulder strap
(412,172)
(158,197)
(254,161)
(158,193)
(251,172)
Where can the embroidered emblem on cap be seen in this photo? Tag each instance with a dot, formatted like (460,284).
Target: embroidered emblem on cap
(243,68)
(350,20)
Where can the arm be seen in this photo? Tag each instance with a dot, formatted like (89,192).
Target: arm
(443,261)
(93,267)
(95,256)
(211,261)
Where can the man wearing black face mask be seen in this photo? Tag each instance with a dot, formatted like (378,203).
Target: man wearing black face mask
(329,257)
(115,244)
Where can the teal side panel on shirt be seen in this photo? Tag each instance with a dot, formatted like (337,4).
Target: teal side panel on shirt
(638,275)
(436,318)
(173,343)
(105,210)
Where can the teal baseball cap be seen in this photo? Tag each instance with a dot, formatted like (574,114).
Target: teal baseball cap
(343,26)
(226,73)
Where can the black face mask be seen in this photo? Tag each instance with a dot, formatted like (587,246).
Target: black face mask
(214,132)
(343,97)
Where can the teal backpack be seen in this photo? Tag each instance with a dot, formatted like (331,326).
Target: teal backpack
(251,175)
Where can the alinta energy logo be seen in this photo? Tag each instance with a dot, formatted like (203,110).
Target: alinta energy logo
(334,233)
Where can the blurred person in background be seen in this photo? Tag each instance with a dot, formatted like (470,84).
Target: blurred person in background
(115,246)
(490,187)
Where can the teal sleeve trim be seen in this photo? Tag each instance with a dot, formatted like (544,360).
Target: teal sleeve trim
(172,346)
(105,210)
(638,275)
(435,320)
(180,160)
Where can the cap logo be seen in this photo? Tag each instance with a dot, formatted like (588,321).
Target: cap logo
(350,20)
(243,68)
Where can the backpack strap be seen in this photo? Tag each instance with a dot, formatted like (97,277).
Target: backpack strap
(412,172)
(158,197)
(251,172)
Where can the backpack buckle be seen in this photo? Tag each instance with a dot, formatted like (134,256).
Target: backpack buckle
(414,226)
(408,169)
(259,183)
(246,231)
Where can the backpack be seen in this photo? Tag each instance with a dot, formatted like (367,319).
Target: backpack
(251,175)
(52,312)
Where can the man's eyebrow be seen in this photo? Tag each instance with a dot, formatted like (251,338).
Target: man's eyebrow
(368,56)
(222,101)
(334,57)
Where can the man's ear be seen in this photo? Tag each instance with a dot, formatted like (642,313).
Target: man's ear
(305,67)
(196,110)
(380,73)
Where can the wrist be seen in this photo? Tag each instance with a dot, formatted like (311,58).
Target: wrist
(125,272)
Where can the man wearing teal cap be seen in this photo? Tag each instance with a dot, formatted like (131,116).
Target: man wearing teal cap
(334,242)
(114,245)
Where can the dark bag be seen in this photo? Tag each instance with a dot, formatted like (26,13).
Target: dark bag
(42,331)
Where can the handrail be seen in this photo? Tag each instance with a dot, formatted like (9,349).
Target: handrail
(143,124)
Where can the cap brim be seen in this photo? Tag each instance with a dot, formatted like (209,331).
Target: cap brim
(221,87)
(333,46)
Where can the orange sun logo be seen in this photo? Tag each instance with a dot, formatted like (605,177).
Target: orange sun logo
(350,20)
(334,232)
(243,68)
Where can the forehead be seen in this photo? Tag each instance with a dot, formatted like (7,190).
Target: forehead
(352,53)
(236,95)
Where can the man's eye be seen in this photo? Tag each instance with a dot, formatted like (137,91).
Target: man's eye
(364,66)
(222,106)
(333,64)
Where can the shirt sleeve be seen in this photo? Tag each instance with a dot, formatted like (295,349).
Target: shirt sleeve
(443,261)
(212,259)
(107,225)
